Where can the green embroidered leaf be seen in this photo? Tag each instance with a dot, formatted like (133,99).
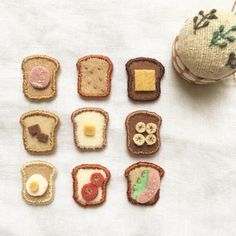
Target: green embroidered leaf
(221,29)
(223,45)
(230,38)
(233,28)
(215,34)
(213,11)
(140,185)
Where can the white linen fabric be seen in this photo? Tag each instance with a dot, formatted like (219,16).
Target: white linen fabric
(198,150)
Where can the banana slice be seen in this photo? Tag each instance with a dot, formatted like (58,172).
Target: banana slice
(140,127)
(139,139)
(151,139)
(36,185)
(151,128)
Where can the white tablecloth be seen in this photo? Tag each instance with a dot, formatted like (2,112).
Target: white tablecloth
(198,133)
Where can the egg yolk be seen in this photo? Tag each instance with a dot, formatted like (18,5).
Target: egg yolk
(34,186)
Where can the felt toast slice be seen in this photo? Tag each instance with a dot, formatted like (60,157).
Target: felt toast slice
(90,128)
(143,180)
(39,131)
(38,168)
(38,68)
(144,76)
(90,184)
(94,76)
(145,145)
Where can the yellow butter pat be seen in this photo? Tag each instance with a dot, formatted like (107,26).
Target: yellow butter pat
(145,80)
(89,130)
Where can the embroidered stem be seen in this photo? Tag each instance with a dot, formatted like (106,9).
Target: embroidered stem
(221,38)
(204,20)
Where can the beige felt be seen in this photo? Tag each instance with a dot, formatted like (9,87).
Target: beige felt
(195,53)
(51,65)
(83,177)
(94,79)
(47,125)
(95,119)
(48,172)
(135,174)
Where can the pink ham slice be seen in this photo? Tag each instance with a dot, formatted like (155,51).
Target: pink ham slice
(152,188)
(39,77)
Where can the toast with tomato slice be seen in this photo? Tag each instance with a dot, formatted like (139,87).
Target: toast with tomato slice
(90,184)
(144,179)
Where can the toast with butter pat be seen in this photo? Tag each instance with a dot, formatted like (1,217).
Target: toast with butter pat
(39,131)
(90,184)
(90,128)
(39,77)
(38,182)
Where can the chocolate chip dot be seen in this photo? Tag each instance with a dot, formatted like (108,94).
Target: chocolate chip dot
(99,68)
(91,72)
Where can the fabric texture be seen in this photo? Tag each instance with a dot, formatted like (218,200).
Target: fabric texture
(198,131)
(198,56)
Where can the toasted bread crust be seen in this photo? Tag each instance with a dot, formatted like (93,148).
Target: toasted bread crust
(155,94)
(75,183)
(109,73)
(80,110)
(129,187)
(25,80)
(129,139)
(52,138)
(51,187)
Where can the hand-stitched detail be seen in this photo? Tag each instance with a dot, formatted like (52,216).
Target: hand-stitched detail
(221,37)
(203,20)
(232,60)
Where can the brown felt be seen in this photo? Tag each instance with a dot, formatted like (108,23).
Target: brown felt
(144,63)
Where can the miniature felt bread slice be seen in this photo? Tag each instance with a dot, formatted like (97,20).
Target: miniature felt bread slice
(144,76)
(144,179)
(143,132)
(39,128)
(90,128)
(38,182)
(94,76)
(39,77)
(205,49)
(90,184)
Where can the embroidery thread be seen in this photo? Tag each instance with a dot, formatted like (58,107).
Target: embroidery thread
(202,20)
(232,60)
(221,37)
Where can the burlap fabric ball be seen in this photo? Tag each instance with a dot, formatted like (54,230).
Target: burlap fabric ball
(205,49)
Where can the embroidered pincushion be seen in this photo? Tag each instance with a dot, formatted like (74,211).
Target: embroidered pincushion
(205,49)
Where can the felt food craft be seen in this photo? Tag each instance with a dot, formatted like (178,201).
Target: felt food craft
(39,131)
(143,132)
(90,128)
(39,77)
(94,76)
(38,182)
(205,49)
(144,76)
(144,181)
(90,184)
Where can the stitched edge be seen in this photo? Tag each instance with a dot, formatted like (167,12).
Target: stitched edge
(52,138)
(128,138)
(75,183)
(85,109)
(25,81)
(130,78)
(51,187)
(109,73)
(129,187)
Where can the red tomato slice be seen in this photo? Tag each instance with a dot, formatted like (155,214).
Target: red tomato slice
(97,179)
(89,191)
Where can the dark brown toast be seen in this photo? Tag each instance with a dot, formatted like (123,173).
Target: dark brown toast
(146,117)
(144,165)
(77,195)
(142,63)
